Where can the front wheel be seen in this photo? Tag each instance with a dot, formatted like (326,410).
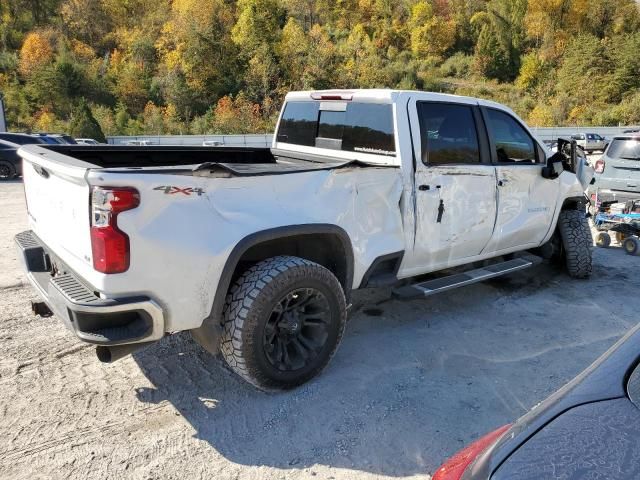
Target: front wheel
(576,242)
(283,321)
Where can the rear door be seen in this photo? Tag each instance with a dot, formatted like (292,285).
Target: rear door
(455,184)
(621,166)
(526,200)
(57,197)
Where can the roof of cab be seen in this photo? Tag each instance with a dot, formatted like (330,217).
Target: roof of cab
(386,95)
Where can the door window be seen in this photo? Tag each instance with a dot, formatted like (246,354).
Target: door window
(449,134)
(512,142)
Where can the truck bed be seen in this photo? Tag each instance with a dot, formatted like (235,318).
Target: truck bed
(202,161)
(114,156)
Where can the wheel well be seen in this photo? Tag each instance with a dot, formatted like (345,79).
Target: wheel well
(574,203)
(325,244)
(326,249)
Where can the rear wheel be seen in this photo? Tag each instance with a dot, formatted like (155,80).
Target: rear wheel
(576,242)
(283,321)
(7,171)
(631,245)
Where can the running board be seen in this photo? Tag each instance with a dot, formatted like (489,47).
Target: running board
(431,287)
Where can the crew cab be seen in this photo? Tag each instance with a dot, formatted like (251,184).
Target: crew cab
(257,251)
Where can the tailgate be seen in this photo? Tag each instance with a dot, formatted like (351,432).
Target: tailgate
(57,196)
(623,174)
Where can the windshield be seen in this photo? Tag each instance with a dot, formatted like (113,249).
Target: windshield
(351,127)
(624,148)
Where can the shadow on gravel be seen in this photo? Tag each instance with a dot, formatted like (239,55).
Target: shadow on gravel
(408,387)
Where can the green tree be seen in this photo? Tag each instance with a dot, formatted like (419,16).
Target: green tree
(83,124)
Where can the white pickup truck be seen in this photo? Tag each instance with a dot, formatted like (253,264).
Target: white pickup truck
(257,251)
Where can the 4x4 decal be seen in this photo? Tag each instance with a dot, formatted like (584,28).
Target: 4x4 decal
(172,190)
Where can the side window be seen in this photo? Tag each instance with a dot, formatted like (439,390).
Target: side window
(448,133)
(512,142)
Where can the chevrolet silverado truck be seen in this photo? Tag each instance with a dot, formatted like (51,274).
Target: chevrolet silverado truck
(257,251)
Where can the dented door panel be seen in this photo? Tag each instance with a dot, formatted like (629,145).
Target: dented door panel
(526,205)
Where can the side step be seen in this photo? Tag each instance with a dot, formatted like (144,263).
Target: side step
(442,284)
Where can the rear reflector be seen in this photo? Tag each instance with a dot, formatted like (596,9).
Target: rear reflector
(109,245)
(454,468)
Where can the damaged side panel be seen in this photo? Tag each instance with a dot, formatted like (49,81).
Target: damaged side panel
(194,225)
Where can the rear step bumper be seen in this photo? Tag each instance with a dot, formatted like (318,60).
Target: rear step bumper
(101,321)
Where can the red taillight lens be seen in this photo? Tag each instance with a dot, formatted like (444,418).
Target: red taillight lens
(453,468)
(599,167)
(332,95)
(109,245)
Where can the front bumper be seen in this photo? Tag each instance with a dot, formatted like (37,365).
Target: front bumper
(97,320)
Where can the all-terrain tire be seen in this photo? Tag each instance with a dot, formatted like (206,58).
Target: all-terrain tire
(576,242)
(7,171)
(250,305)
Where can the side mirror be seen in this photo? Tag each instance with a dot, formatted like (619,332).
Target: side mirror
(554,167)
(566,158)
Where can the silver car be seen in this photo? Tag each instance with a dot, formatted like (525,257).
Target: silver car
(590,142)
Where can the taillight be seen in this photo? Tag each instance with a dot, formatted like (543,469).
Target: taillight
(109,245)
(599,167)
(454,468)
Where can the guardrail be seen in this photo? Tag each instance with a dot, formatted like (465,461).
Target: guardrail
(261,140)
(264,140)
(552,133)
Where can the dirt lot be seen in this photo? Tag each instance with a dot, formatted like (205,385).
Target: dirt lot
(412,382)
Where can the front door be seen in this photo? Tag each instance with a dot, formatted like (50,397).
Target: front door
(455,186)
(526,200)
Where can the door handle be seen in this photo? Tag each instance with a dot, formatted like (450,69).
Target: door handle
(502,182)
(425,188)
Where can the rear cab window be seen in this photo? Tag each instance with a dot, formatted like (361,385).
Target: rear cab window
(345,126)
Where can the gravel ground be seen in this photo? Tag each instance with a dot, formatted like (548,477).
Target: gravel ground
(412,383)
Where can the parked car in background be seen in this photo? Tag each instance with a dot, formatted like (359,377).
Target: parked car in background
(10,161)
(587,429)
(87,141)
(617,173)
(56,138)
(590,142)
(21,138)
(139,143)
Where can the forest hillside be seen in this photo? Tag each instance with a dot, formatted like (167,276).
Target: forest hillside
(223,66)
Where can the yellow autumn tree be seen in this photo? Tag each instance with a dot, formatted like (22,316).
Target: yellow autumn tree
(35,52)
(431,35)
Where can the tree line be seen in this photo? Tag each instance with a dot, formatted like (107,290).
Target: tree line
(223,66)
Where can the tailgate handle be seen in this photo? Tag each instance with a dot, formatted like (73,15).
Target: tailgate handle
(41,171)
